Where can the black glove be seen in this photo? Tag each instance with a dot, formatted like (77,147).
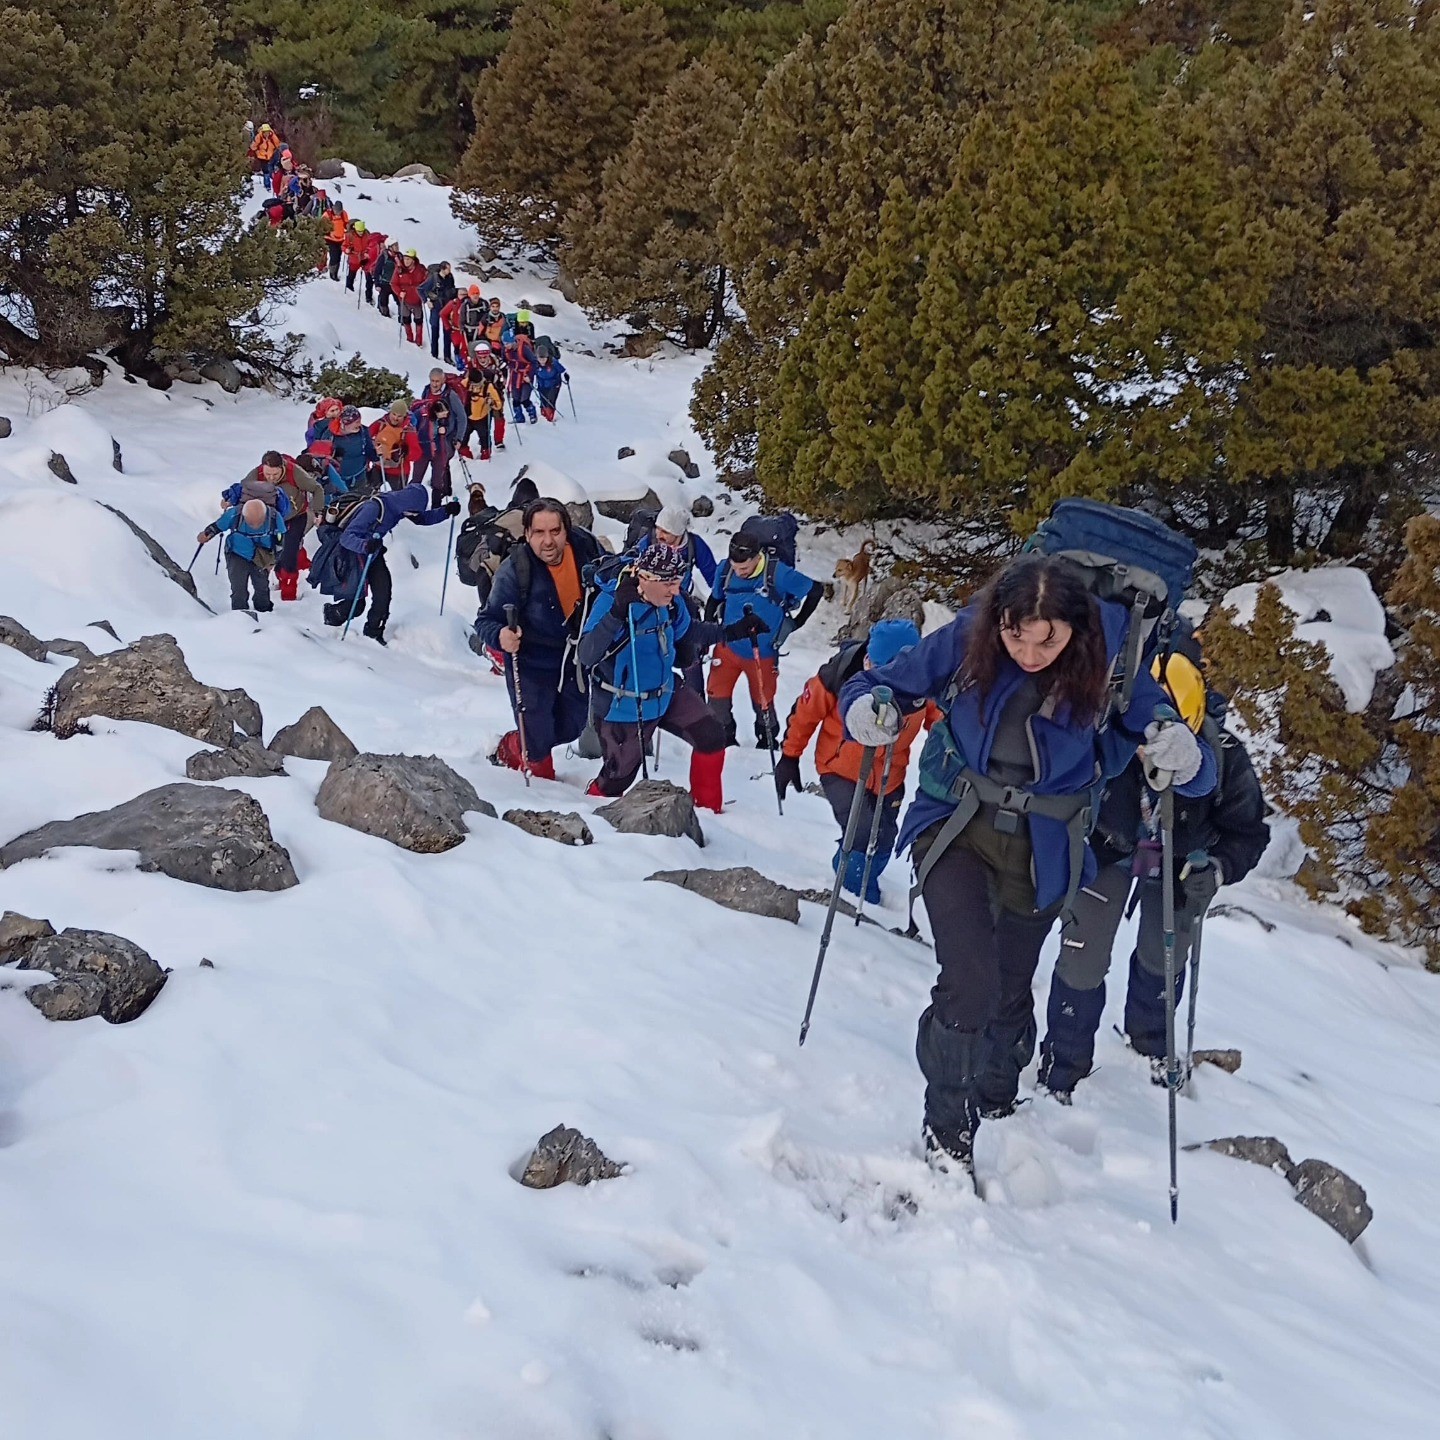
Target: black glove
(1201,877)
(451,507)
(374,545)
(787,776)
(748,627)
(627,593)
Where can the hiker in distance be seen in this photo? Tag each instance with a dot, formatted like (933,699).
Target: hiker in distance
(541,580)
(1219,839)
(1023,677)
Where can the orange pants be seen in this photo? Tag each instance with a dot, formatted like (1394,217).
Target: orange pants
(761,674)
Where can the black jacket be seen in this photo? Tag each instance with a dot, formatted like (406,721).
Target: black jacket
(1229,823)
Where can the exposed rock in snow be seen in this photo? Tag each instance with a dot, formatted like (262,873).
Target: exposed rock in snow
(249,760)
(654,807)
(96,973)
(314,736)
(566,1156)
(17,637)
(415,801)
(740,888)
(568,829)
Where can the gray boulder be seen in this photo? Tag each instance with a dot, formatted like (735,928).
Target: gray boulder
(212,837)
(328,170)
(741,888)
(566,286)
(1227,1060)
(565,1155)
(582,513)
(622,510)
(184,371)
(681,459)
(5,427)
(107,627)
(95,974)
(18,933)
(624,452)
(160,555)
(1263,1150)
(422,172)
(654,807)
(150,681)
(568,829)
(314,736)
(702,507)
(71,649)
(17,637)
(59,467)
(544,308)
(414,801)
(1333,1196)
(224,374)
(248,760)
(889,599)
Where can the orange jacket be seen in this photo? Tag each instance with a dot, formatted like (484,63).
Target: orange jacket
(265,144)
(399,446)
(338,224)
(818,708)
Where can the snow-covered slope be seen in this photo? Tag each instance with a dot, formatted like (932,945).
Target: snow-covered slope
(280,1204)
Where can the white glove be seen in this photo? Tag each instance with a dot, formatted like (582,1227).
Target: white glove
(873,724)
(1172,753)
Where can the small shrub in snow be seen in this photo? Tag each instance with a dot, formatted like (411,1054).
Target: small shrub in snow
(357,383)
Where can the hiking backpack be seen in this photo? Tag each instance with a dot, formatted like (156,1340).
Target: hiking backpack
(641,524)
(775,535)
(1127,557)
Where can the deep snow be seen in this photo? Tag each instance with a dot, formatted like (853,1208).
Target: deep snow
(280,1203)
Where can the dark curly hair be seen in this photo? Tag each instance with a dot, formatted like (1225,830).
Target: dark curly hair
(1041,587)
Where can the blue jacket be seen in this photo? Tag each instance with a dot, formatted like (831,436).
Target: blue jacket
(447,425)
(646,666)
(770,597)
(550,375)
(244,540)
(1068,753)
(352,454)
(524,582)
(702,558)
(380,514)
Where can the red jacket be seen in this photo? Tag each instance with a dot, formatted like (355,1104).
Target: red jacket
(405,283)
(450,315)
(399,445)
(374,249)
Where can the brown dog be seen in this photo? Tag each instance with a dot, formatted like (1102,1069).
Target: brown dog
(853,574)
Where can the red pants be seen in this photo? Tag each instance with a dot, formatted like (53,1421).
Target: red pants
(761,674)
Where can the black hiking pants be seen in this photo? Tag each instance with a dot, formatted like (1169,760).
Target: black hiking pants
(622,741)
(246,576)
(376,593)
(334,247)
(294,539)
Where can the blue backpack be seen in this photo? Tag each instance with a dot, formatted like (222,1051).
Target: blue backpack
(1127,557)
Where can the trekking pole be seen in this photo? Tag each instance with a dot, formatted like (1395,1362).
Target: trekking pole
(1167,897)
(884,695)
(852,823)
(770,724)
(218,553)
(449,545)
(519,701)
(519,424)
(1196,930)
(571,394)
(194,557)
(639,719)
(359,595)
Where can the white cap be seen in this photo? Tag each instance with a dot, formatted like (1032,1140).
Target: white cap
(673,520)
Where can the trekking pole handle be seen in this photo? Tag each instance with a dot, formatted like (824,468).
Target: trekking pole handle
(510,618)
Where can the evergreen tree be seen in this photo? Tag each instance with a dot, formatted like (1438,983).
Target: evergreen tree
(121,175)
(650,245)
(559,104)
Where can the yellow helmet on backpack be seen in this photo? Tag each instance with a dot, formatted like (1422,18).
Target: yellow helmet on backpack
(1182,681)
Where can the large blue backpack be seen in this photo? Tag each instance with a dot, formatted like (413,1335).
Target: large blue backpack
(1127,557)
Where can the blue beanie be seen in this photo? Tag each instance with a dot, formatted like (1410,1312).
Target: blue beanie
(888,638)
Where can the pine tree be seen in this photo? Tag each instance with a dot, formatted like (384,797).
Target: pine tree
(560,103)
(650,244)
(121,173)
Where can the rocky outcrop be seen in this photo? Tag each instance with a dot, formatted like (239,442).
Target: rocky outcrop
(18,933)
(544,309)
(624,452)
(248,760)
(159,554)
(414,801)
(741,888)
(225,374)
(568,829)
(96,973)
(17,637)
(702,507)
(1326,1191)
(59,467)
(5,427)
(654,807)
(565,1156)
(328,170)
(623,509)
(681,459)
(150,681)
(889,599)
(419,172)
(314,736)
(206,836)
(641,346)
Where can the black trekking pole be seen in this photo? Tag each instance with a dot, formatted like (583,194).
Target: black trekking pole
(218,553)
(449,546)
(769,716)
(884,694)
(195,557)
(359,595)
(519,701)
(571,394)
(1196,931)
(517,424)
(867,760)
(1167,894)
(639,718)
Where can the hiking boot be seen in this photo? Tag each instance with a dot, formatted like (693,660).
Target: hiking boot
(950,1152)
(499,444)
(594,789)
(466,453)
(1060,1097)
(377,634)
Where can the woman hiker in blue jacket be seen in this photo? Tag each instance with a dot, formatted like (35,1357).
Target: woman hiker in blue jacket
(640,628)
(998,827)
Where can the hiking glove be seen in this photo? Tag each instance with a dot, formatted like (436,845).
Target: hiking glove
(748,627)
(1201,877)
(627,593)
(787,776)
(871,722)
(374,545)
(452,508)
(1172,750)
